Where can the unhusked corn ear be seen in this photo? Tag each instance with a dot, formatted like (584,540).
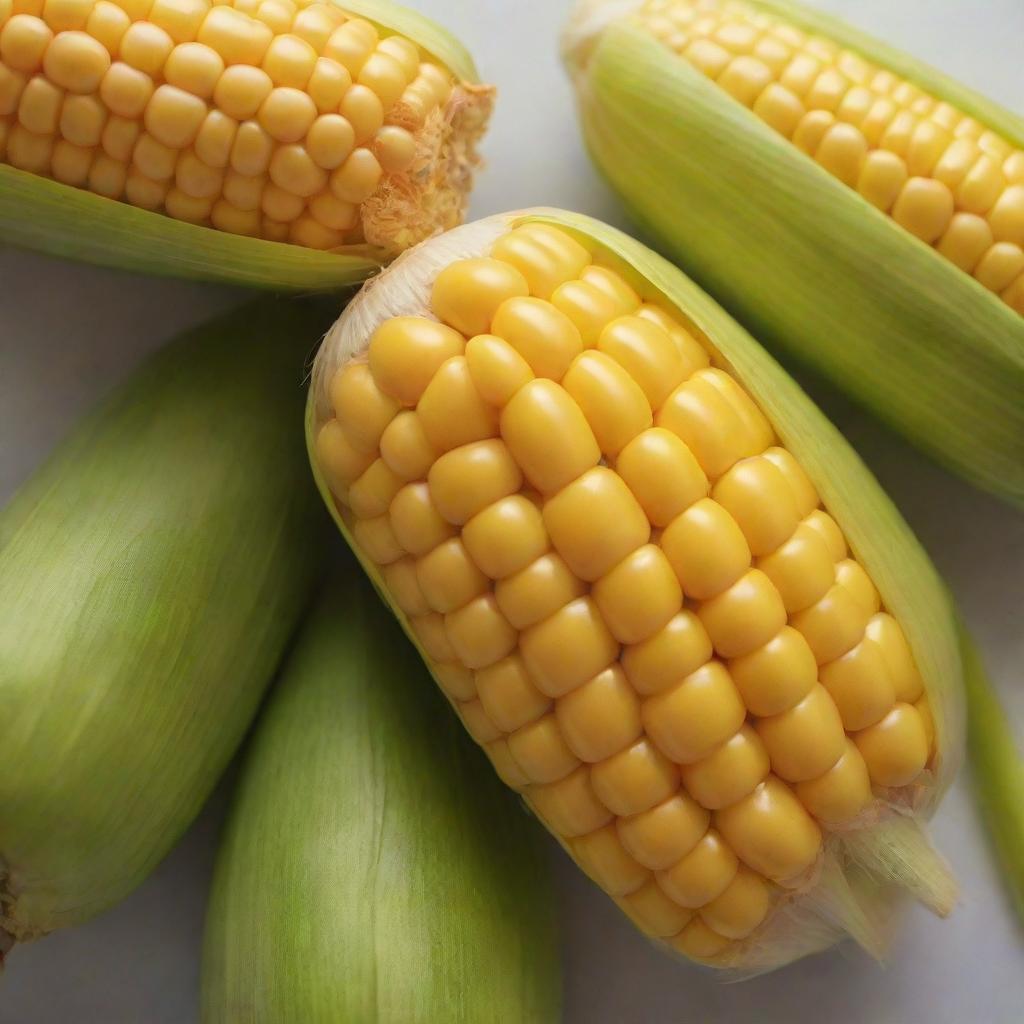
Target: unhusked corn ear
(294,121)
(700,111)
(699,737)
(351,725)
(150,575)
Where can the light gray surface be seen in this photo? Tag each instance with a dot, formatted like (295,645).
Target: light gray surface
(67,332)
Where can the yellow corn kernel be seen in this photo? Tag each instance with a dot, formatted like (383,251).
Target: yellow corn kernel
(545,256)
(833,625)
(612,402)
(770,831)
(70,163)
(415,519)
(703,874)
(537,590)
(801,569)
(448,578)
(468,293)
(401,580)
(509,695)
(568,648)
(541,752)
(648,354)
(29,152)
(676,650)
(506,537)
(469,478)
(351,44)
(406,352)
(603,858)
(827,528)
(756,494)
(1000,265)
(635,779)
(363,410)
(860,686)
(569,807)
(545,337)
(497,369)
(455,680)
(430,632)
(806,740)
(65,15)
(405,447)
(480,634)
(638,596)
(451,409)
(896,748)
(743,617)
(40,106)
(504,765)
(653,912)
(730,772)
(24,41)
(701,943)
(477,724)
(377,539)
(741,906)
(689,720)
(706,548)
(587,306)
(663,475)
(595,522)
(842,792)
(601,717)
(662,835)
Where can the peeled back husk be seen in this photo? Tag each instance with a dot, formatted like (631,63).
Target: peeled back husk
(151,573)
(852,892)
(373,869)
(799,257)
(431,195)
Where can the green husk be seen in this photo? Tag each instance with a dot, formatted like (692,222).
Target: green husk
(71,223)
(895,852)
(373,869)
(801,259)
(997,771)
(151,573)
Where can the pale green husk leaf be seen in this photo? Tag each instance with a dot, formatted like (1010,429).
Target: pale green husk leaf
(801,259)
(373,869)
(151,573)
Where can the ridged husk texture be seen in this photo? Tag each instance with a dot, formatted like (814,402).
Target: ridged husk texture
(801,259)
(862,867)
(151,573)
(373,867)
(431,196)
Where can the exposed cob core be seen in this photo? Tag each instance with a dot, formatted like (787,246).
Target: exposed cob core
(942,175)
(625,584)
(287,120)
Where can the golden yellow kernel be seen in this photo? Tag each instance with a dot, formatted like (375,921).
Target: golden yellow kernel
(40,106)
(196,179)
(194,68)
(351,44)
(146,47)
(145,192)
(70,163)
(107,176)
(238,38)
(241,91)
(24,41)
(328,84)
(252,149)
(29,152)
(546,256)
(506,537)
(173,117)
(154,159)
(740,908)
(896,748)
(924,207)
(357,178)
(703,874)
(730,772)
(467,293)
(635,779)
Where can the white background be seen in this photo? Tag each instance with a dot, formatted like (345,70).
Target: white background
(68,332)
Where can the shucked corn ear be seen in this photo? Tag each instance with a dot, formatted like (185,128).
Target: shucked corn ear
(150,575)
(850,205)
(656,584)
(339,132)
(372,868)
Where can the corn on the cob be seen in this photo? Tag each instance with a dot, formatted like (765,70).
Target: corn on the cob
(847,203)
(656,585)
(368,840)
(293,121)
(150,575)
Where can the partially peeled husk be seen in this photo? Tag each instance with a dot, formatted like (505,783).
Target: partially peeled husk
(429,197)
(373,868)
(853,888)
(151,574)
(801,259)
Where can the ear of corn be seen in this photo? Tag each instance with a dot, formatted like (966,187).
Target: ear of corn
(657,585)
(150,575)
(276,144)
(372,867)
(853,207)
